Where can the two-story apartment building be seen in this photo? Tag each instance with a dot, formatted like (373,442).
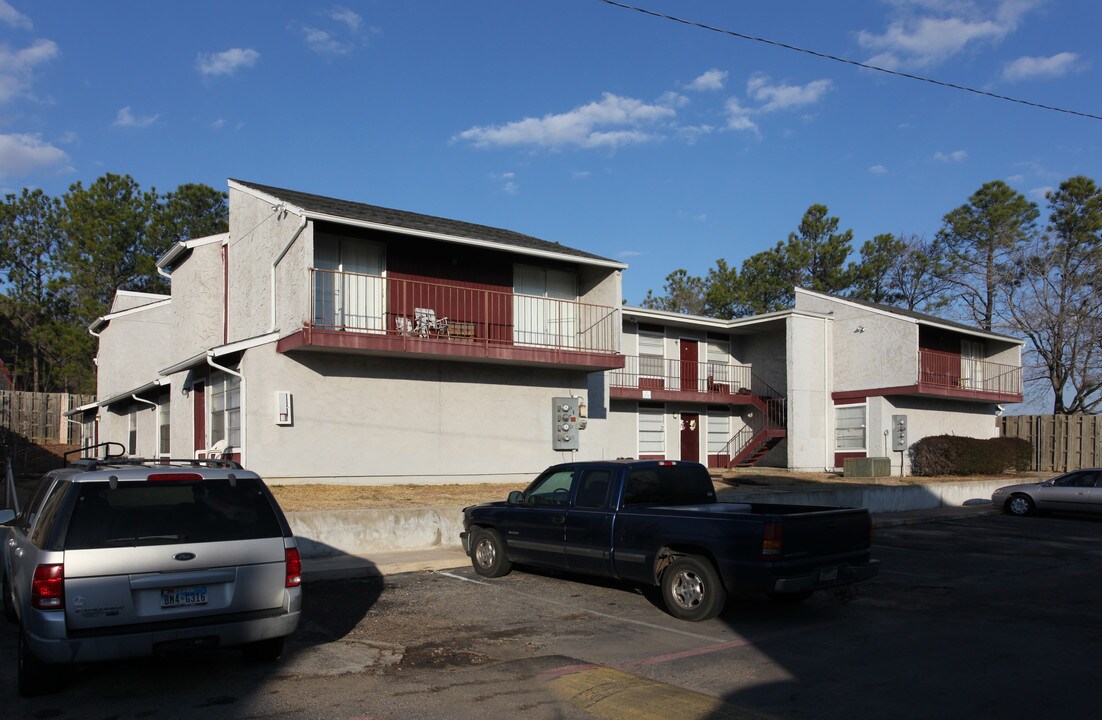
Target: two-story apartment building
(805,388)
(323,340)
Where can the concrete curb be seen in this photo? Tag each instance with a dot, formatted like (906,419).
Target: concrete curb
(341,566)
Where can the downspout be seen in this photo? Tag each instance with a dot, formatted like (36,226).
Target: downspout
(244,414)
(279,258)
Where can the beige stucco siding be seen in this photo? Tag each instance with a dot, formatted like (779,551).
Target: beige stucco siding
(810,408)
(197,292)
(133,348)
(925,417)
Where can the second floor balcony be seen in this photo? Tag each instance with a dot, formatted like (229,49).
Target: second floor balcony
(654,378)
(354,312)
(954,375)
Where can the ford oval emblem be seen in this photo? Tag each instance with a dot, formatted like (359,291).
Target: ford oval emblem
(184,556)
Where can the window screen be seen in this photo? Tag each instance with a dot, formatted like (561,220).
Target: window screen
(849,427)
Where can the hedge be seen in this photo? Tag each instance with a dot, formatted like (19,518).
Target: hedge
(954,455)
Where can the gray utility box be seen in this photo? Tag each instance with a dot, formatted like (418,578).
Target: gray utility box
(869,467)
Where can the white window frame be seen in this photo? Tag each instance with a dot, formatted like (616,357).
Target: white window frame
(224,391)
(839,427)
(651,432)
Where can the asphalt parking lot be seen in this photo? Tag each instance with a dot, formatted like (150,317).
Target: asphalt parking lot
(989,616)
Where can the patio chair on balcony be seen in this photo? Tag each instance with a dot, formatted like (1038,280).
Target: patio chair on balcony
(425,322)
(403,325)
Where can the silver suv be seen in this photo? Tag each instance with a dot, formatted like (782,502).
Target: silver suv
(127,558)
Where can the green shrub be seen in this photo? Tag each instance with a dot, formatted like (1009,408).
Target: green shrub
(954,455)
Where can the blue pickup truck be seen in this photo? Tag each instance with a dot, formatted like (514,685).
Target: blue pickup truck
(659,523)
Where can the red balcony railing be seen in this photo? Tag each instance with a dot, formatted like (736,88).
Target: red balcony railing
(353,302)
(966,375)
(654,373)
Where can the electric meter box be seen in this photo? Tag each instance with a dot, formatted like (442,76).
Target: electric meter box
(565,414)
(899,433)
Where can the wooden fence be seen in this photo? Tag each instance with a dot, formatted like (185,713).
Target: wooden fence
(1060,442)
(39,417)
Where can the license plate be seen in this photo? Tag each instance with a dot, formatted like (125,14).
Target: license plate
(828,575)
(184,596)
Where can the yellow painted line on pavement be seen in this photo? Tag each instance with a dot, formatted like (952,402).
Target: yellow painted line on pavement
(615,695)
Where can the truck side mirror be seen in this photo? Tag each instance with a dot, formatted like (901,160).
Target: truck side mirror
(516,497)
(6,516)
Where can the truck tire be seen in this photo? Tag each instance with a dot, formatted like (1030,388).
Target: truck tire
(488,553)
(692,590)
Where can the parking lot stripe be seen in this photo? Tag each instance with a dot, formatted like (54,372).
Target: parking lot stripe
(615,695)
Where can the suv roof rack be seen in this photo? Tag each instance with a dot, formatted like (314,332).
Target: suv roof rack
(91,463)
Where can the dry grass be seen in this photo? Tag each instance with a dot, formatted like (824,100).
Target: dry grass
(294,498)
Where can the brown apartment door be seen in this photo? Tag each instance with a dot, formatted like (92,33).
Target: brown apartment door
(690,373)
(690,437)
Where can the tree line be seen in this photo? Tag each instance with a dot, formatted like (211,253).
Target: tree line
(63,258)
(993,264)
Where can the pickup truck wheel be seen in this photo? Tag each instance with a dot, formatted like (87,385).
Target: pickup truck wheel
(1019,505)
(692,590)
(35,676)
(488,554)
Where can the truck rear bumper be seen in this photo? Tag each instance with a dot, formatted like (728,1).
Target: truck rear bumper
(826,577)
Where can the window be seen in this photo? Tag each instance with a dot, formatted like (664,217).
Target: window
(652,430)
(553,489)
(545,307)
(652,361)
(719,430)
(132,437)
(163,444)
(972,355)
(593,489)
(225,409)
(719,366)
(349,291)
(849,427)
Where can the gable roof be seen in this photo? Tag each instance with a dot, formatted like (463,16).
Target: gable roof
(336,210)
(913,315)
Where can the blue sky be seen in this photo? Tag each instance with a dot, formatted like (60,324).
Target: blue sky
(644,140)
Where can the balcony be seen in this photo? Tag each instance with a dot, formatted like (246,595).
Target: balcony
(653,378)
(350,312)
(953,375)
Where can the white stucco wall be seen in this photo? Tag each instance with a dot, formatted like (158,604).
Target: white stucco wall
(133,348)
(197,293)
(925,417)
(373,420)
(809,444)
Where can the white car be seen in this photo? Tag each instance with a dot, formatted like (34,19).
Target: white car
(1077,491)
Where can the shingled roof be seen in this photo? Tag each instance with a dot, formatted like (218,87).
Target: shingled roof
(363,212)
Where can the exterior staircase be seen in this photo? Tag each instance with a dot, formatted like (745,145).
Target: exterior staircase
(767,427)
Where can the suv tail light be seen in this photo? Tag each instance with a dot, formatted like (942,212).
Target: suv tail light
(160,477)
(294,567)
(771,541)
(48,587)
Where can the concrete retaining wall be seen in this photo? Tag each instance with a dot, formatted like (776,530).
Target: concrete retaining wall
(363,532)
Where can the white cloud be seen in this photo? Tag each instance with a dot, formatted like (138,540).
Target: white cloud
(346,16)
(22,155)
(1028,68)
(12,17)
(127,119)
(784,97)
(917,41)
(324,43)
(711,80)
(672,99)
(226,62)
(508,182)
(878,170)
(630,254)
(580,174)
(772,98)
(17,66)
(611,122)
(1041,193)
(956,156)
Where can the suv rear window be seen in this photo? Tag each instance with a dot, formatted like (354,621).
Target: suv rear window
(163,512)
(669,485)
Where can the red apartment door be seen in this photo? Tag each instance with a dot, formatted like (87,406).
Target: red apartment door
(690,373)
(690,437)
